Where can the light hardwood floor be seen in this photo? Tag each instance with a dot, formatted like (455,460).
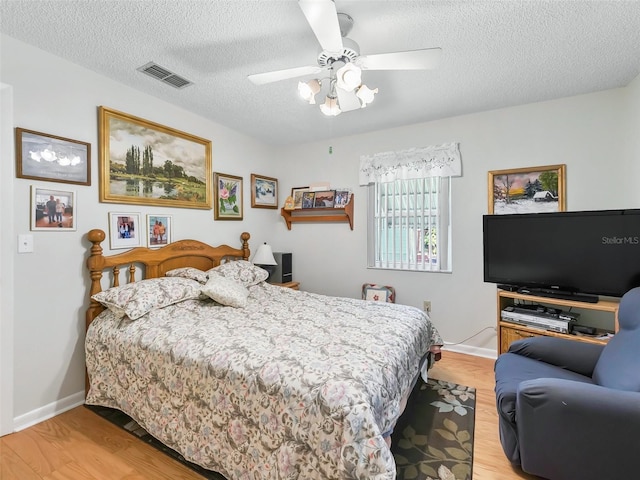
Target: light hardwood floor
(79,445)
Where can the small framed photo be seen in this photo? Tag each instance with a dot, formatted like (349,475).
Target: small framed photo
(296,194)
(378,293)
(264,191)
(227,197)
(158,230)
(41,156)
(125,230)
(307,199)
(527,190)
(53,210)
(342,198)
(324,199)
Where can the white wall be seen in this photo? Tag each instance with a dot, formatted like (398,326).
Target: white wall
(587,133)
(54,96)
(6,262)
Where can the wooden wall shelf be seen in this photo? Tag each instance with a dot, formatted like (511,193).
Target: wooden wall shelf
(315,215)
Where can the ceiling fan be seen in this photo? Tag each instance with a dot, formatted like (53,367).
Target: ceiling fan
(340,58)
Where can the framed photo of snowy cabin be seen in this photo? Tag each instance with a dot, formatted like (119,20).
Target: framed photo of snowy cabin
(527,190)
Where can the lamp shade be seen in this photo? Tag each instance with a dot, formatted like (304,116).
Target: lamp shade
(308,90)
(349,77)
(330,107)
(264,255)
(365,94)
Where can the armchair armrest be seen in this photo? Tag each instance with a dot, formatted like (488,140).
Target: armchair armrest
(579,357)
(569,430)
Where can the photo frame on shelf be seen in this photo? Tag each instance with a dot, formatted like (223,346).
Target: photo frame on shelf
(145,163)
(308,199)
(159,230)
(264,191)
(342,198)
(527,190)
(296,194)
(42,156)
(324,199)
(227,197)
(53,210)
(378,293)
(125,230)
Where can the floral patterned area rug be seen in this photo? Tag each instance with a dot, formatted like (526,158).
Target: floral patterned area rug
(433,439)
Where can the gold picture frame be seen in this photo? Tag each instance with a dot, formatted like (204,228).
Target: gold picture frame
(145,163)
(527,190)
(264,191)
(228,199)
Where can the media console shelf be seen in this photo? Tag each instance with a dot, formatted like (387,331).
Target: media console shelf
(510,332)
(312,215)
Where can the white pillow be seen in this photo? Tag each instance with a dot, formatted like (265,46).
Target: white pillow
(241,271)
(137,298)
(226,291)
(188,272)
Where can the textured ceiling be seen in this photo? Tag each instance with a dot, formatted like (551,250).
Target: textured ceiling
(495,54)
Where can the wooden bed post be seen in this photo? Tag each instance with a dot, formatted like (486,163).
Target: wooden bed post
(95,264)
(245,245)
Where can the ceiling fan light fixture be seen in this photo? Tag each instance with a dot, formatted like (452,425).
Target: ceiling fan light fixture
(330,107)
(365,94)
(308,90)
(349,77)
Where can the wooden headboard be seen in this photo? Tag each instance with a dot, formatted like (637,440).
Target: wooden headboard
(153,263)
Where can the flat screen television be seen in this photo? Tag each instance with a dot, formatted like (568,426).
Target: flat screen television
(590,252)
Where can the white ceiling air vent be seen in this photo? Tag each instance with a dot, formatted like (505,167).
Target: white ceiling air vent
(156,71)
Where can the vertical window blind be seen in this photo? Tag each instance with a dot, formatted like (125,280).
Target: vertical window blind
(409,207)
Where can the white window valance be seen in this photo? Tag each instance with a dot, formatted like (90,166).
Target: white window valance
(432,161)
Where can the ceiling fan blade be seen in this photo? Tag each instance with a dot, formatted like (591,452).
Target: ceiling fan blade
(347,100)
(323,19)
(425,59)
(277,75)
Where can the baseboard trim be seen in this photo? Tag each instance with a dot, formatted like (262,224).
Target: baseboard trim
(48,411)
(468,350)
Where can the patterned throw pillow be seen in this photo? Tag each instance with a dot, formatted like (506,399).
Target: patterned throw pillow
(137,298)
(241,271)
(189,272)
(226,291)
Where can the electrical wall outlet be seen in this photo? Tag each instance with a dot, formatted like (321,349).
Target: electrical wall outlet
(426,306)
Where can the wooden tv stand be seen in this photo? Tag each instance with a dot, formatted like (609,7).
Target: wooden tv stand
(510,332)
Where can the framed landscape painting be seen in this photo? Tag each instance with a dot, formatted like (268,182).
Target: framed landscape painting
(527,190)
(264,191)
(145,163)
(227,197)
(41,156)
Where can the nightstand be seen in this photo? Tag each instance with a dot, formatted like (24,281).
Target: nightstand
(291,285)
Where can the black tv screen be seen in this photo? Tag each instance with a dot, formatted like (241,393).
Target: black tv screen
(590,252)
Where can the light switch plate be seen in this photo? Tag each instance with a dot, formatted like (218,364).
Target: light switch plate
(25,243)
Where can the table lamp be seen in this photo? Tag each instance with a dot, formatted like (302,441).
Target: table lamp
(264,259)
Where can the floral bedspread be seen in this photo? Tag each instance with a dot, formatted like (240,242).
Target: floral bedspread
(294,386)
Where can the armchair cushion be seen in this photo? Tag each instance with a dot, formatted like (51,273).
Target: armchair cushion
(579,357)
(510,370)
(619,364)
(571,430)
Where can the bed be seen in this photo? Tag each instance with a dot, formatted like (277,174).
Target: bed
(245,378)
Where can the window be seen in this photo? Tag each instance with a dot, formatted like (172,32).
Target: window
(409,224)
(409,207)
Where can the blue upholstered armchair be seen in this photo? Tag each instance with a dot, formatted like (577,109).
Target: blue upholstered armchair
(570,410)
